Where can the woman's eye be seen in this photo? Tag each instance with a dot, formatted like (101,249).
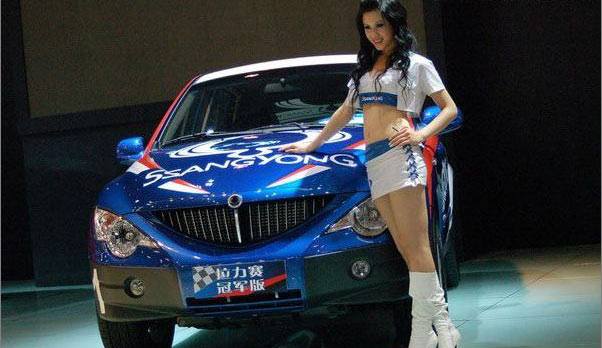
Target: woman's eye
(380,25)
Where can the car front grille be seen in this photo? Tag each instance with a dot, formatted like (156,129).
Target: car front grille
(248,224)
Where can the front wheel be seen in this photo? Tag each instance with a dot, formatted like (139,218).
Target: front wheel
(136,334)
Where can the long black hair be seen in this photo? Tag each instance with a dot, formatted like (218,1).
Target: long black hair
(394,13)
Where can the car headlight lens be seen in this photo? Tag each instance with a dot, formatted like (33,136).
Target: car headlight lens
(364,219)
(120,236)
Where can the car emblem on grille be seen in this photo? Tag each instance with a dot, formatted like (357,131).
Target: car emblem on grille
(234,201)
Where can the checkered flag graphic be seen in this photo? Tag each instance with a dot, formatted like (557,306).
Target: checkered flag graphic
(203,276)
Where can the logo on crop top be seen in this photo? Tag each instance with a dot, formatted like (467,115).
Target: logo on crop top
(378,97)
(374,98)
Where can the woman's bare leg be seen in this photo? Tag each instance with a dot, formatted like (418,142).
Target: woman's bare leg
(411,227)
(384,208)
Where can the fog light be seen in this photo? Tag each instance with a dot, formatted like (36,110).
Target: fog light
(134,287)
(360,269)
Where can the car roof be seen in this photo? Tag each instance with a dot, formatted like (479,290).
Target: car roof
(278,64)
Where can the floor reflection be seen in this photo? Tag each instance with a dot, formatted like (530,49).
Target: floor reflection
(524,298)
(368,331)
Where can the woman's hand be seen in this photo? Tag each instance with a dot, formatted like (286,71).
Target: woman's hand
(406,135)
(296,148)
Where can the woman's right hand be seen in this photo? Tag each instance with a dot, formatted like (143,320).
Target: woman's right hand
(296,148)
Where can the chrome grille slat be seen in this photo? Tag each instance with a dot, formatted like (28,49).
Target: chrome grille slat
(267,208)
(170,219)
(219,231)
(277,218)
(178,219)
(259,220)
(295,212)
(285,215)
(251,222)
(186,223)
(304,210)
(196,231)
(209,223)
(226,223)
(201,221)
(255,222)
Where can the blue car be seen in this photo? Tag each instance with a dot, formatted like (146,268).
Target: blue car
(211,226)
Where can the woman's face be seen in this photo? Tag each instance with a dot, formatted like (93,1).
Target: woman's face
(379,31)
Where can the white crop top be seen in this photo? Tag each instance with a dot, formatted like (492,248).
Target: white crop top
(423,80)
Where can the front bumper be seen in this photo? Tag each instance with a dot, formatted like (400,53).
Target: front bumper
(329,291)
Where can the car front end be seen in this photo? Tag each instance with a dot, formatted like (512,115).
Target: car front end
(213,226)
(231,230)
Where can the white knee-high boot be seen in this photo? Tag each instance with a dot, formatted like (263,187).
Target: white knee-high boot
(447,334)
(422,290)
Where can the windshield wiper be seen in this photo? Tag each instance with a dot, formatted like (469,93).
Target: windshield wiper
(297,124)
(202,135)
(194,136)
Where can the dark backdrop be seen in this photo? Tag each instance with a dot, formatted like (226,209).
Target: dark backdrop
(527,161)
(527,75)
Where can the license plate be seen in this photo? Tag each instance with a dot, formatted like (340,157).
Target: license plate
(239,279)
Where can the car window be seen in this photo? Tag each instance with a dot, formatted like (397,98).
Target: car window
(257,100)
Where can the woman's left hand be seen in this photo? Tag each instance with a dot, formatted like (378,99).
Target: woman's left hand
(406,135)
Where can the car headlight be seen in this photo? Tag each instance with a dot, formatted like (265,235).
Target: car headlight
(364,219)
(120,236)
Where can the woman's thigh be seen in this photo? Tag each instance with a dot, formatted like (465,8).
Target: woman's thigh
(386,211)
(408,206)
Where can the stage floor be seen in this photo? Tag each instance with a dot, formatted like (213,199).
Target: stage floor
(520,298)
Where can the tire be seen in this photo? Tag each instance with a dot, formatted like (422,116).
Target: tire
(136,334)
(451,268)
(450,263)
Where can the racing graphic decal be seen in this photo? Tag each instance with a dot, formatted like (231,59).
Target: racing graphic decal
(299,174)
(137,168)
(243,147)
(182,186)
(360,145)
(145,163)
(149,162)
(243,151)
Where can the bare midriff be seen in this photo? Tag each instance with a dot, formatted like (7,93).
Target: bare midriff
(380,121)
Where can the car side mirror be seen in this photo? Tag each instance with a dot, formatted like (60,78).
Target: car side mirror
(429,114)
(130,150)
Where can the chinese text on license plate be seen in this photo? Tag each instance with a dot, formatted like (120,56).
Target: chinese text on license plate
(240,279)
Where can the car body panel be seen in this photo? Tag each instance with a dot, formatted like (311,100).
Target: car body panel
(207,172)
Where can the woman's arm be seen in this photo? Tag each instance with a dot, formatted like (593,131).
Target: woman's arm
(448,112)
(338,120)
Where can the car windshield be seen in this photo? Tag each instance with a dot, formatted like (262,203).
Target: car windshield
(294,97)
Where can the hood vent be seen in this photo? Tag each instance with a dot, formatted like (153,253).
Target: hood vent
(250,223)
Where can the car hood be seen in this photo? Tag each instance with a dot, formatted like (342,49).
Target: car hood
(250,165)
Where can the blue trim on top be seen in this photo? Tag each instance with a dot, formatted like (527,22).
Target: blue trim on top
(377,148)
(378,97)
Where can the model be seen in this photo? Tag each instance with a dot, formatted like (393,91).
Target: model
(390,83)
